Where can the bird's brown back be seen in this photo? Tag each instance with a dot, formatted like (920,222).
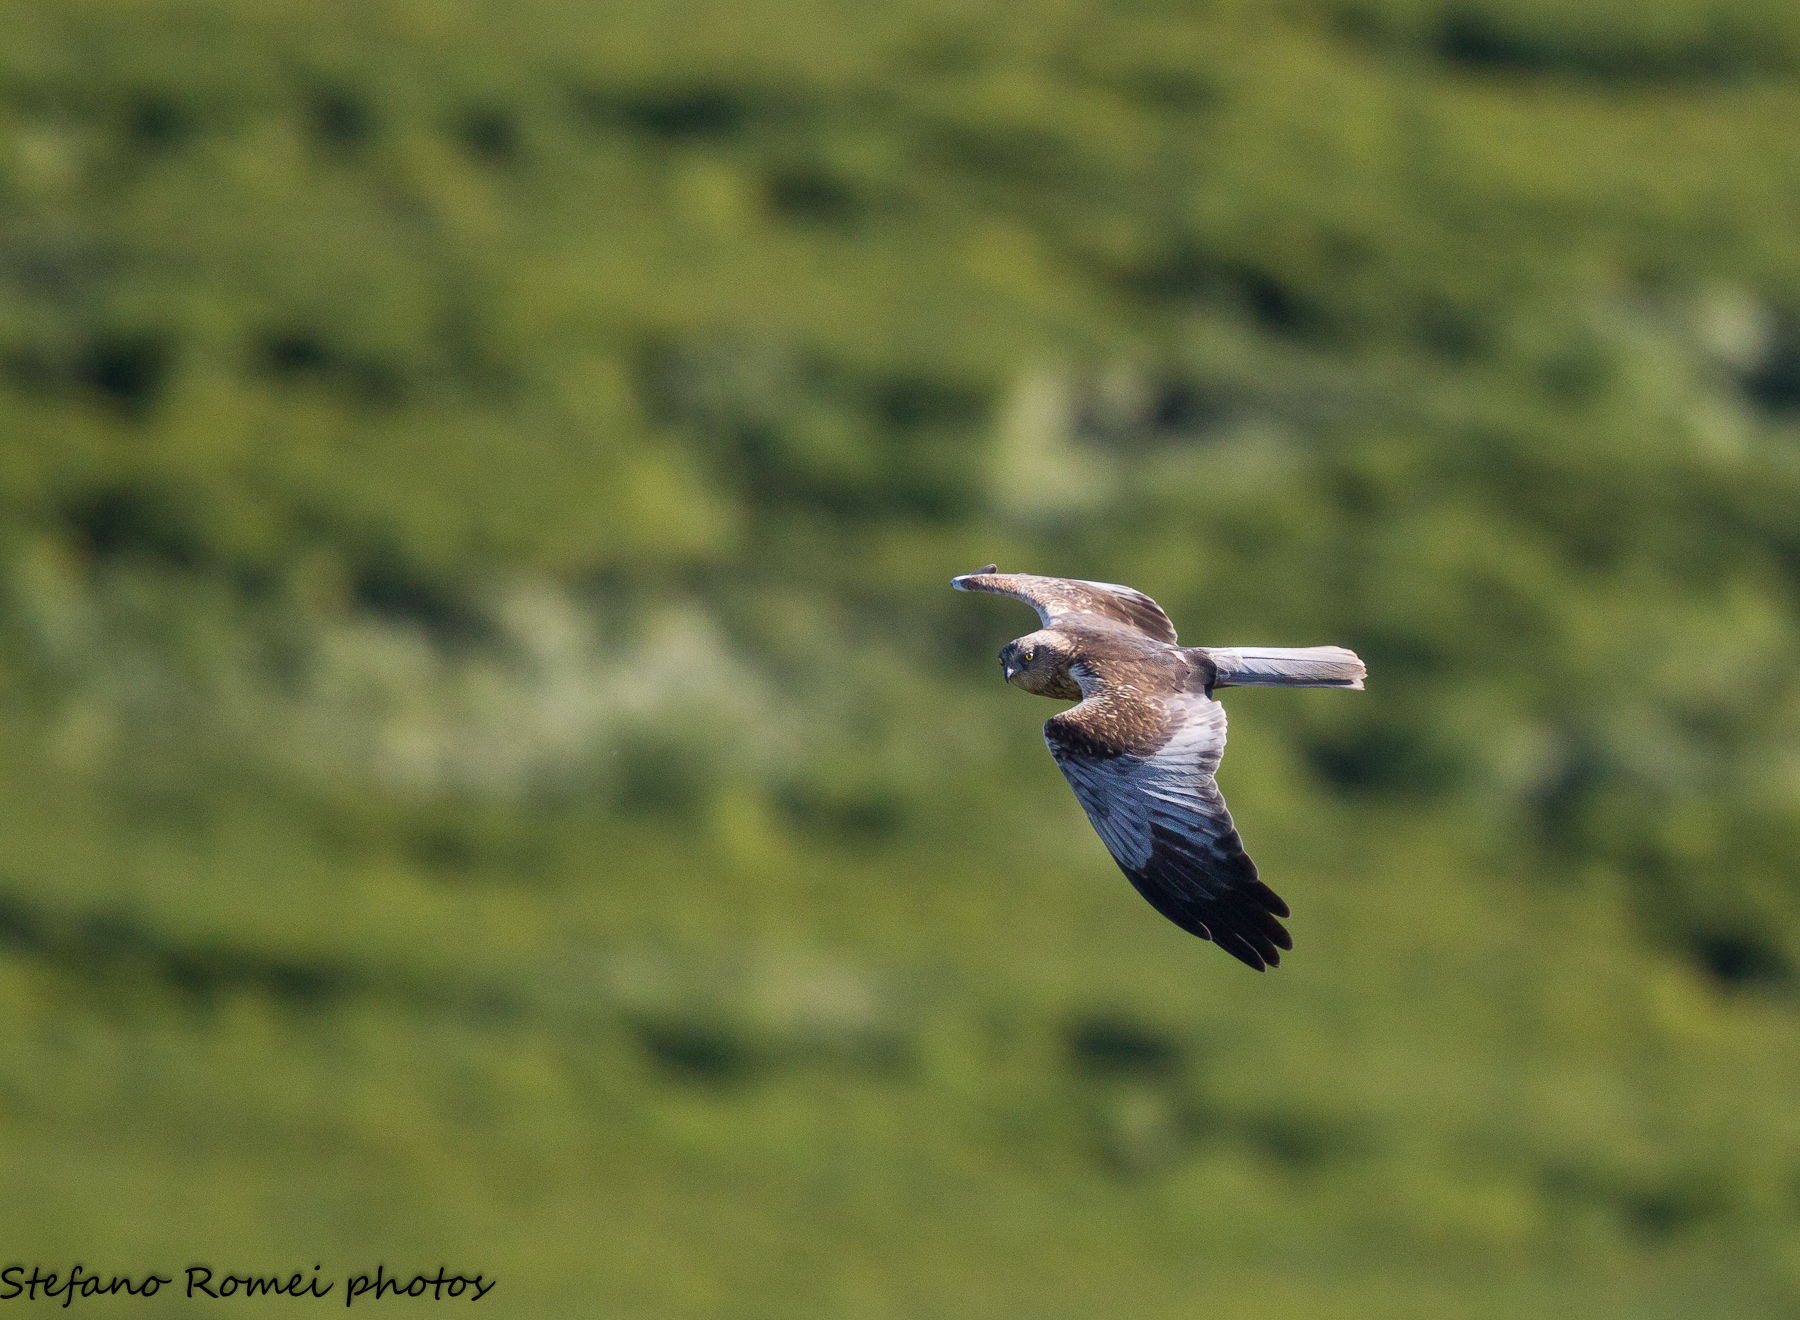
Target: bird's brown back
(1128,679)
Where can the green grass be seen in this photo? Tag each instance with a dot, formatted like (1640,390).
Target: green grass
(496,777)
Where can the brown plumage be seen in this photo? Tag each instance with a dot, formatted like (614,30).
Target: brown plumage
(1142,745)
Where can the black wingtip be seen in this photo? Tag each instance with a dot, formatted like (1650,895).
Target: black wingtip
(1245,952)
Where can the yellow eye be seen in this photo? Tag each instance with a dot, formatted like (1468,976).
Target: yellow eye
(1028,657)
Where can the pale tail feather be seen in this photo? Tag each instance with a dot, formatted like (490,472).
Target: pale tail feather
(1287,666)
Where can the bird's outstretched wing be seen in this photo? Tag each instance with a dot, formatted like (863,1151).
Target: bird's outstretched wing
(1161,815)
(1056,599)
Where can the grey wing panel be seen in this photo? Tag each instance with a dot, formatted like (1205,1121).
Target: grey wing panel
(1164,820)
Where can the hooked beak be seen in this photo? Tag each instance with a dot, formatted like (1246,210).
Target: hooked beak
(1010,670)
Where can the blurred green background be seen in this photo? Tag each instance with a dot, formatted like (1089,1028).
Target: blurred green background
(494,774)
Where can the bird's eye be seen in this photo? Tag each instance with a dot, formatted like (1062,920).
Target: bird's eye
(1027,657)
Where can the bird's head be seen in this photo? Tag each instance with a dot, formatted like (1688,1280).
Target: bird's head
(1040,664)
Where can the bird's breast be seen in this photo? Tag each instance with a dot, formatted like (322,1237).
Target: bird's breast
(1053,683)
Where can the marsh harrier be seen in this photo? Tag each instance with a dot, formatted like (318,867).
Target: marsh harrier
(1143,742)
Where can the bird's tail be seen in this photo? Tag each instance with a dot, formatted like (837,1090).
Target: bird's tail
(1287,666)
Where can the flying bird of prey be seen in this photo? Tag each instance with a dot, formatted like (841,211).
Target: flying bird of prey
(1142,745)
